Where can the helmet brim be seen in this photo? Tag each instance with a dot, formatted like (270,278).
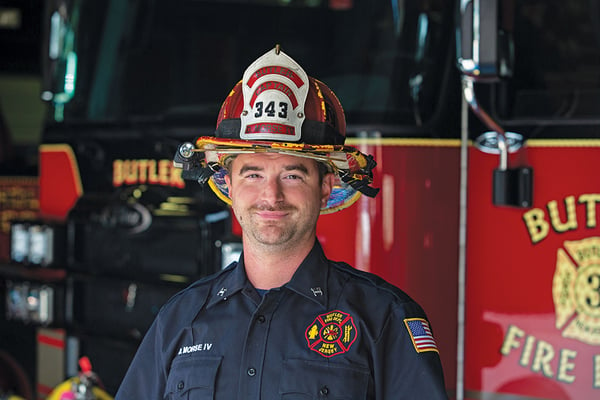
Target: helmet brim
(342,160)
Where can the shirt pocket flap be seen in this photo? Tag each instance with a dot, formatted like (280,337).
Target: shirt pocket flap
(193,373)
(307,379)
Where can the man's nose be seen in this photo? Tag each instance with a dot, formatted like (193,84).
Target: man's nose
(272,190)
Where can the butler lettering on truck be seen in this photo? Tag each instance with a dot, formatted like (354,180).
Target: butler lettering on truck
(484,118)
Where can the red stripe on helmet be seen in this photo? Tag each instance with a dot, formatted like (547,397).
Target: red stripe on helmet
(269,127)
(277,70)
(271,85)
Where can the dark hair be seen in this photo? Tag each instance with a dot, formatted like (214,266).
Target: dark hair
(324,169)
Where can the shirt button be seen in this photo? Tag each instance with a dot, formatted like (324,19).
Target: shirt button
(251,371)
(180,385)
(261,319)
(324,391)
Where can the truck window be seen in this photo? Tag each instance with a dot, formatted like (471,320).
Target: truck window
(554,80)
(161,60)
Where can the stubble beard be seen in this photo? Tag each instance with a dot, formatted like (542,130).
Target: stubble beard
(274,235)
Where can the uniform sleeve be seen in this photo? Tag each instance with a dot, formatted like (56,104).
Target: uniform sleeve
(147,373)
(407,362)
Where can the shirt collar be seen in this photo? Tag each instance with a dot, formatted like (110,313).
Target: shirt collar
(229,284)
(309,280)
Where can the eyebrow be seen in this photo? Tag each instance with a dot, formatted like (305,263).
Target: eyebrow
(290,167)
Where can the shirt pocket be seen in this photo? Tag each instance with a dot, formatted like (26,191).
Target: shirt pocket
(192,378)
(313,380)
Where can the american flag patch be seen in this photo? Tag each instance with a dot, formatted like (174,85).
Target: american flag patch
(420,334)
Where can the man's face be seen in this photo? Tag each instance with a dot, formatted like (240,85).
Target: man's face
(277,198)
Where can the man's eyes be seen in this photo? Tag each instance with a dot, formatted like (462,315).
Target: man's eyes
(285,177)
(294,177)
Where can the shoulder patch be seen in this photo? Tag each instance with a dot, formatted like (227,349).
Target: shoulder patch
(420,334)
(331,333)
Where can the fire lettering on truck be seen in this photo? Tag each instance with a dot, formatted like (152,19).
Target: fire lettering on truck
(539,355)
(561,219)
(143,171)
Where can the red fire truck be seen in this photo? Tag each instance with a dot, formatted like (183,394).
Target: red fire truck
(483,116)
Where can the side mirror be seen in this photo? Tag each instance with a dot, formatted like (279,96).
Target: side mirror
(477,39)
(478,58)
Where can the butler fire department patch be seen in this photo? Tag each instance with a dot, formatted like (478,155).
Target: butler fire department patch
(331,333)
(576,290)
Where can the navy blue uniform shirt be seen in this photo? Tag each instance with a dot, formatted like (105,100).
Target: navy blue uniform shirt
(332,332)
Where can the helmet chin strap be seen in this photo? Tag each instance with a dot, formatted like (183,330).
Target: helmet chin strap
(193,164)
(357,182)
(201,174)
(361,181)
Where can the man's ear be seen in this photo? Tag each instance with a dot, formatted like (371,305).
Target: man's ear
(228,183)
(327,188)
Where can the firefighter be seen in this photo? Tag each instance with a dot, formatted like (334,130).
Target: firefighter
(284,321)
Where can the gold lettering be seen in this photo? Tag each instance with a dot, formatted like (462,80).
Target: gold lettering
(544,353)
(17,197)
(561,221)
(597,371)
(565,365)
(176,180)
(163,171)
(130,172)
(537,226)
(510,340)
(557,224)
(117,173)
(539,356)
(590,201)
(347,332)
(152,176)
(327,348)
(334,316)
(5,217)
(527,351)
(143,170)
